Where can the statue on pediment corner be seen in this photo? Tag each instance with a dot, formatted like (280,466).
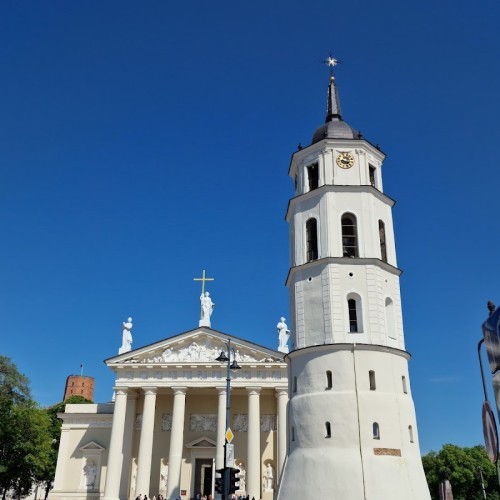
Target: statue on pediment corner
(283,335)
(126,337)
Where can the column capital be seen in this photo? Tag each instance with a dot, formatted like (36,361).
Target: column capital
(281,392)
(179,389)
(253,390)
(121,391)
(221,390)
(151,390)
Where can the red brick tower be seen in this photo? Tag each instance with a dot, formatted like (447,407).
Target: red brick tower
(79,385)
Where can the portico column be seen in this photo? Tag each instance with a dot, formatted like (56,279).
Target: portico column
(176,444)
(128,438)
(282,397)
(146,442)
(112,486)
(253,466)
(221,427)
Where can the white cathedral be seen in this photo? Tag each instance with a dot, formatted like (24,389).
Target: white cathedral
(334,418)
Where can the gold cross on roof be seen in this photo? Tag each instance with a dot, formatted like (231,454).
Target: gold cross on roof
(203,279)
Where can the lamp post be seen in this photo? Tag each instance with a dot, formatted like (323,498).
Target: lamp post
(230,366)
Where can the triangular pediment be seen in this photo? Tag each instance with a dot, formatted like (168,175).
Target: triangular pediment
(92,446)
(202,345)
(202,442)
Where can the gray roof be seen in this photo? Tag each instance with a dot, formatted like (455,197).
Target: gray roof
(334,127)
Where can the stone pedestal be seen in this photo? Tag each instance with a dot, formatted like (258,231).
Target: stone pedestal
(267,494)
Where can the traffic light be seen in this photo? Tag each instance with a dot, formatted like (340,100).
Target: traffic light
(234,482)
(219,481)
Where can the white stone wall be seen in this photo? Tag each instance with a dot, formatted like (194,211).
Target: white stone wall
(351,464)
(327,205)
(319,294)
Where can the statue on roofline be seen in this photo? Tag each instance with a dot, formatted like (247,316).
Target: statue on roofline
(126,337)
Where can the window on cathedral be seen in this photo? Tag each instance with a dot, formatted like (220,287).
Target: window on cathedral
(372,172)
(381,235)
(376,430)
(296,182)
(312,240)
(410,431)
(293,433)
(405,388)
(313,176)
(328,430)
(329,379)
(294,384)
(349,236)
(353,316)
(373,385)
(390,318)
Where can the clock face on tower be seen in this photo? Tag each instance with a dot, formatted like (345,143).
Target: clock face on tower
(345,160)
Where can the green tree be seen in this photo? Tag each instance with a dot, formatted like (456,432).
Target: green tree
(25,440)
(462,467)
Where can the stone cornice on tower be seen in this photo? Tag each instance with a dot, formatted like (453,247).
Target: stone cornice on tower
(357,261)
(334,188)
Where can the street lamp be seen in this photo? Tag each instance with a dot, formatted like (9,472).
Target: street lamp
(226,358)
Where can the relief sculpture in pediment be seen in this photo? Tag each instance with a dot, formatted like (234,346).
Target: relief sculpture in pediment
(197,353)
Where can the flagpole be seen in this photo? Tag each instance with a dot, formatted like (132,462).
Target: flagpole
(81,369)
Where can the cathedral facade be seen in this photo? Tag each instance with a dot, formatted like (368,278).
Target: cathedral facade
(165,432)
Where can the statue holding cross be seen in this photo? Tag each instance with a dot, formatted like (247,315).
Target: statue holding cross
(207,306)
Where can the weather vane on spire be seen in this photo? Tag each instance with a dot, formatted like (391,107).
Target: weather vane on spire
(331,62)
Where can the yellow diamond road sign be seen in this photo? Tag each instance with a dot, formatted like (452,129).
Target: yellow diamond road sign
(229,435)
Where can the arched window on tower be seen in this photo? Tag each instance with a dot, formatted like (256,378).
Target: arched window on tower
(329,379)
(405,387)
(312,239)
(349,236)
(372,172)
(328,430)
(383,247)
(410,432)
(355,313)
(376,430)
(353,316)
(371,376)
(313,176)
(390,318)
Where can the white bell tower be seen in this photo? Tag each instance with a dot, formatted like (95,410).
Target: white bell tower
(352,431)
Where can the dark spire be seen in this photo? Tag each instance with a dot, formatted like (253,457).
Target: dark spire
(334,127)
(332,103)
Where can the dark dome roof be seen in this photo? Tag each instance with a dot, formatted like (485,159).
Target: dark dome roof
(335,129)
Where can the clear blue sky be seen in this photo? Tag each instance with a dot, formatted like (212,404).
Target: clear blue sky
(141,142)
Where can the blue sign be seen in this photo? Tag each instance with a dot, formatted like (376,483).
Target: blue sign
(491,333)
